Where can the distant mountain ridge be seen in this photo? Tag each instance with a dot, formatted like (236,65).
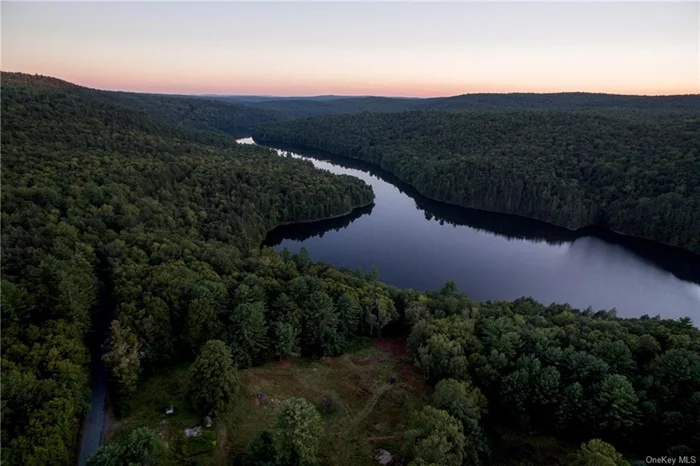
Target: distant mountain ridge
(558,101)
(239,115)
(267,98)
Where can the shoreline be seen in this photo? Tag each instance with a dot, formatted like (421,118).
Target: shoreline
(301,222)
(578,230)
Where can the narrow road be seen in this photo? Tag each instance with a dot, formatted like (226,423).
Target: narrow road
(97,421)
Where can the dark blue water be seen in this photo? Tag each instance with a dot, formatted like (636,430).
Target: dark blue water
(418,243)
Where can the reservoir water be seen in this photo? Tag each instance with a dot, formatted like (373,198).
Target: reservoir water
(418,243)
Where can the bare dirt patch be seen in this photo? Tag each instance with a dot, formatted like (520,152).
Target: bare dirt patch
(362,361)
(283,364)
(408,373)
(396,347)
(221,452)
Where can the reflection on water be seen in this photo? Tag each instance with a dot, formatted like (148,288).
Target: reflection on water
(304,231)
(420,243)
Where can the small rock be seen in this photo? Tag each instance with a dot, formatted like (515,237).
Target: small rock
(384,457)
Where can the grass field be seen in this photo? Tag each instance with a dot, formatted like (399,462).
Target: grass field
(373,413)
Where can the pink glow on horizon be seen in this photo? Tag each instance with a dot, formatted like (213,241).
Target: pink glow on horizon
(173,85)
(392,49)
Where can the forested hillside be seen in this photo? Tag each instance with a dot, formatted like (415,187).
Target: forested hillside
(92,189)
(232,118)
(637,173)
(109,214)
(309,107)
(563,101)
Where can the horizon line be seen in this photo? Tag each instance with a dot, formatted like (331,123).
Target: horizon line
(313,96)
(310,96)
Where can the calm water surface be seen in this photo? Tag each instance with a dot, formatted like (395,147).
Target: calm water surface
(418,243)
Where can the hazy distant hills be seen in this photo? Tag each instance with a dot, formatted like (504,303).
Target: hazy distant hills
(239,115)
(309,107)
(565,101)
(328,105)
(267,98)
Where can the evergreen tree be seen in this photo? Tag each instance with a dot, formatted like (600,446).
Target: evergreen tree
(212,378)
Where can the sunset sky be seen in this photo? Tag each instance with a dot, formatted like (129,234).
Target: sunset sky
(359,48)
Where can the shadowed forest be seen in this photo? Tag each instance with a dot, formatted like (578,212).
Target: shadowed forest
(149,199)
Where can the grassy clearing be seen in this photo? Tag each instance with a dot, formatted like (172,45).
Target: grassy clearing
(372,411)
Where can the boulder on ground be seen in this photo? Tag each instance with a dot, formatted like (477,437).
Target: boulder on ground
(384,457)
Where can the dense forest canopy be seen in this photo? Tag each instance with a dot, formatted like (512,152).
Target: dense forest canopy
(209,114)
(633,172)
(109,214)
(572,374)
(91,189)
(205,114)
